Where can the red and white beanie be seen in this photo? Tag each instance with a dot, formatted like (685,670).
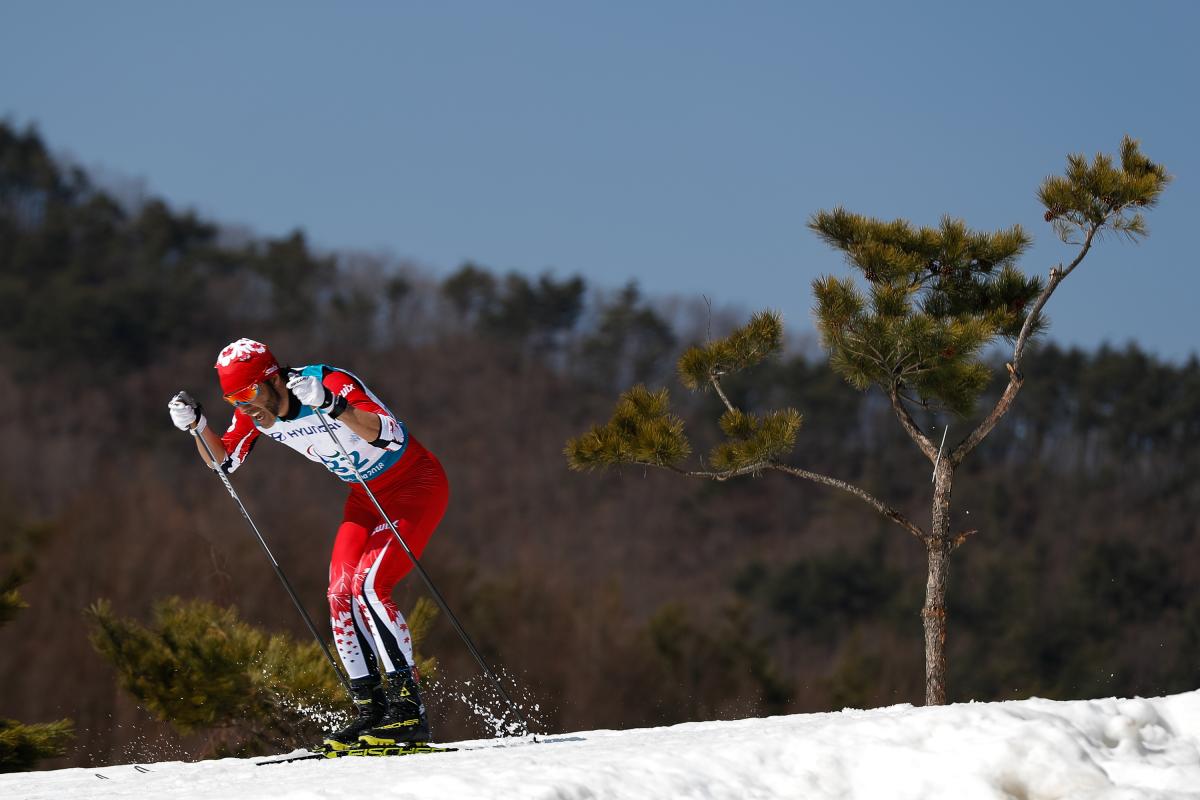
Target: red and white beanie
(243,363)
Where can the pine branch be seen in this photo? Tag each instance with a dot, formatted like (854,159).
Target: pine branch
(861,494)
(716,475)
(1057,276)
(1015,377)
(1015,381)
(1091,199)
(716,384)
(958,540)
(910,426)
(816,477)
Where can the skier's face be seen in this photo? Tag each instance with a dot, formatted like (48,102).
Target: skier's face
(268,404)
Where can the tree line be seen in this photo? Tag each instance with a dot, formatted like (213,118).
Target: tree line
(610,601)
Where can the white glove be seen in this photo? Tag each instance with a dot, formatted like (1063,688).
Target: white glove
(310,391)
(186,413)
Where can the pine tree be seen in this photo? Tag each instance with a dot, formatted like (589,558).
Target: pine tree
(935,298)
(23,745)
(202,669)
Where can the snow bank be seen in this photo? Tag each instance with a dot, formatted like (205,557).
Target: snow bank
(1027,750)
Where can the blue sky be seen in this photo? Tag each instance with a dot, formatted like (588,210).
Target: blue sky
(681,144)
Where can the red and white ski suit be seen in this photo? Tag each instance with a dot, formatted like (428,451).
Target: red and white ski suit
(367,561)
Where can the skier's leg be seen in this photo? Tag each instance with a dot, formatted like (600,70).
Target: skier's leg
(349,634)
(416,508)
(352,637)
(416,513)
(404,720)
(383,564)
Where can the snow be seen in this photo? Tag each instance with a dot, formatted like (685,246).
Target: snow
(1034,749)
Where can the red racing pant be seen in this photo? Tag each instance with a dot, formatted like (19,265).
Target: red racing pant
(370,632)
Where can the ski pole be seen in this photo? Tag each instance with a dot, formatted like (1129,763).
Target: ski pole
(274,564)
(441,601)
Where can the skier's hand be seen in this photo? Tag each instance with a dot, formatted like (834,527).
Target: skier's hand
(310,391)
(186,413)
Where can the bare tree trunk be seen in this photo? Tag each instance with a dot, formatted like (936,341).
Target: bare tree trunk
(938,547)
(934,615)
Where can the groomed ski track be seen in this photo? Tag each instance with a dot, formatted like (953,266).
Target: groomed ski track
(1031,749)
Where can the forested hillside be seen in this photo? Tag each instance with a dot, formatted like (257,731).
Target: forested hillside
(611,601)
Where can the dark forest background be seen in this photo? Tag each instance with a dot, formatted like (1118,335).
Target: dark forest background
(610,600)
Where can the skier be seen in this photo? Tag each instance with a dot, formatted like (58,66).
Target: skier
(370,632)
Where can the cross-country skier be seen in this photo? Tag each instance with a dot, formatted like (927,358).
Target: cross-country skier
(371,634)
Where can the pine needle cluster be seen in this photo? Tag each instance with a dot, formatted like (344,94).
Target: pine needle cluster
(1101,194)
(754,441)
(642,431)
(23,746)
(745,347)
(201,668)
(935,298)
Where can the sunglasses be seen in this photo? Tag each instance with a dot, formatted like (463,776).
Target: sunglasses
(243,396)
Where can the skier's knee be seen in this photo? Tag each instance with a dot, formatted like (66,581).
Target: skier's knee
(340,599)
(363,599)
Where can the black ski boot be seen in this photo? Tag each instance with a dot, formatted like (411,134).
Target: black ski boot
(404,721)
(370,705)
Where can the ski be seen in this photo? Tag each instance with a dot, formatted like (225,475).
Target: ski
(361,752)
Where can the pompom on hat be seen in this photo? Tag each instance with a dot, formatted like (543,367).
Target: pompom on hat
(244,363)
